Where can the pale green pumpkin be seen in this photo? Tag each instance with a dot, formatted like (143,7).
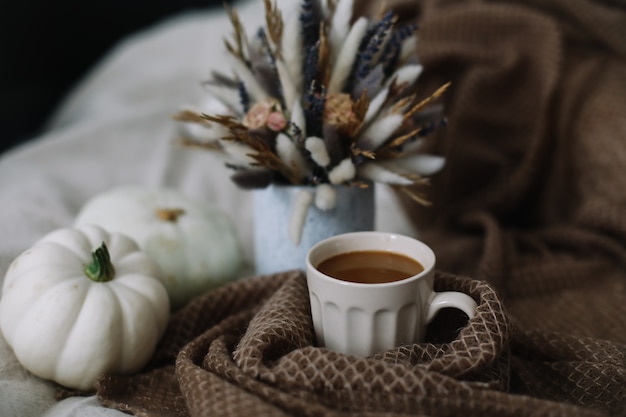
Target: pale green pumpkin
(195,244)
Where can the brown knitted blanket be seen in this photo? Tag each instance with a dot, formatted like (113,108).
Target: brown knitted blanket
(528,217)
(247,350)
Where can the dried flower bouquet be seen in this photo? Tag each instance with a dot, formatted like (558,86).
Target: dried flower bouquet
(322,98)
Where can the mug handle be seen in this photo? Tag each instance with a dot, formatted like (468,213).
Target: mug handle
(453,299)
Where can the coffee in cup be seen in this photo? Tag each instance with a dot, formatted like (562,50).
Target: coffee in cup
(373,291)
(370,267)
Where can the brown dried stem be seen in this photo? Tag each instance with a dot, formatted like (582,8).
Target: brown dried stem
(414,193)
(323,66)
(191,116)
(274,22)
(434,96)
(238,49)
(192,143)
(386,151)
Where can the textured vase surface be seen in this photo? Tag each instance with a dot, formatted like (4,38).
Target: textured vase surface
(275,251)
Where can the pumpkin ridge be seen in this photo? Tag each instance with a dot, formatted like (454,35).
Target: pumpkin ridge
(28,318)
(60,260)
(75,334)
(127,359)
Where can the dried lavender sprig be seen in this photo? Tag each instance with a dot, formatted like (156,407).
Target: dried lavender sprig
(310,22)
(263,63)
(365,60)
(361,52)
(371,31)
(391,53)
(371,84)
(399,35)
(221,79)
(310,67)
(244,97)
(365,54)
(314,101)
(266,48)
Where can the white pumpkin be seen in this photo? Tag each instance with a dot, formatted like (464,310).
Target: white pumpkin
(82,302)
(195,244)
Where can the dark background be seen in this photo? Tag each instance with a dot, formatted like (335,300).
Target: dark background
(46,47)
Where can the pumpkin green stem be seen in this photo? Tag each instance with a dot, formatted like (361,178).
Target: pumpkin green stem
(100,269)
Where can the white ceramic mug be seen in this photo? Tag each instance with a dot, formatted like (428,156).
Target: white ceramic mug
(361,318)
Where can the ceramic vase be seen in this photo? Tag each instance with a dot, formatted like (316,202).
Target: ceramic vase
(274,247)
